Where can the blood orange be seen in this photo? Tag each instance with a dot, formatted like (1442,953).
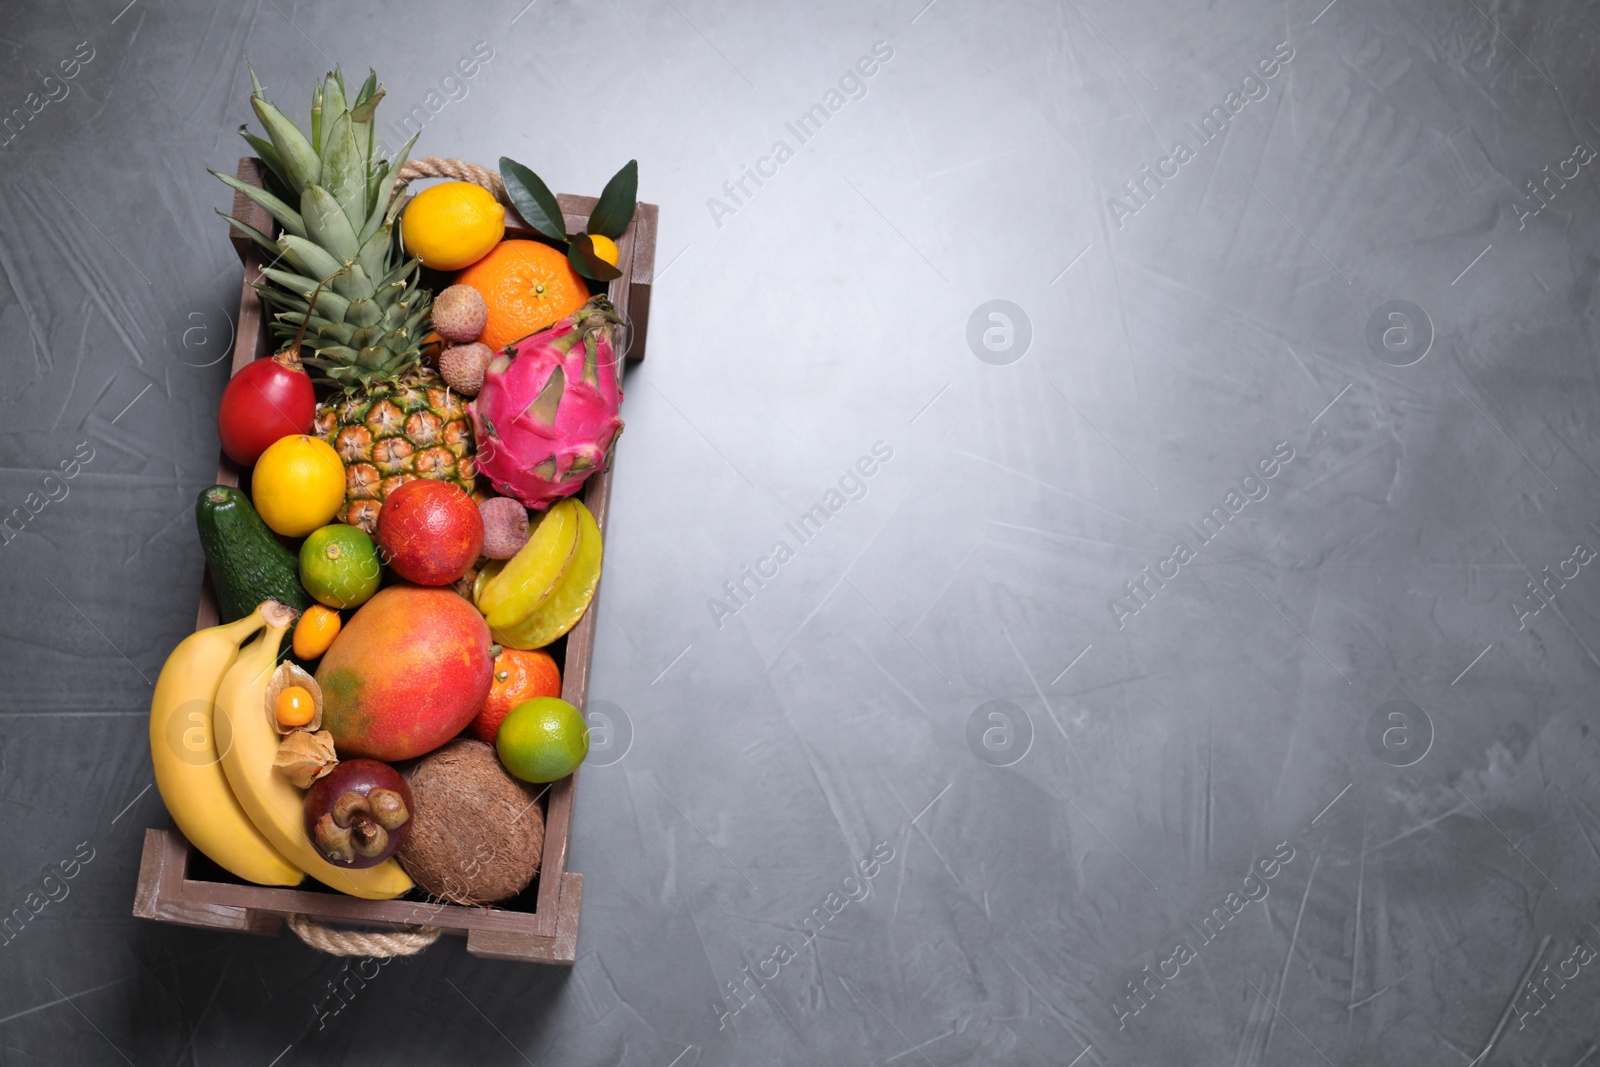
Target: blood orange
(430,531)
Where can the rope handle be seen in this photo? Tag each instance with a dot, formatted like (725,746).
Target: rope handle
(434,167)
(376,943)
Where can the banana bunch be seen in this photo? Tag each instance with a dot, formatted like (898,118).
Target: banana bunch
(188,769)
(212,744)
(248,742)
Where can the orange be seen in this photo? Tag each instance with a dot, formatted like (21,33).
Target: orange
(527,286)
(518,676)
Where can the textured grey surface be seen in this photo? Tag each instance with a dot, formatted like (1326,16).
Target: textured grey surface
(1176,341)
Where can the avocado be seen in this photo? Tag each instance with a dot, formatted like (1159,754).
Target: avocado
(248,562)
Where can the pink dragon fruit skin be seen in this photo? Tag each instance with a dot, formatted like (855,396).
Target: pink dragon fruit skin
(546,417)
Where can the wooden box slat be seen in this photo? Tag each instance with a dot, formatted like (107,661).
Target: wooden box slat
(548,934)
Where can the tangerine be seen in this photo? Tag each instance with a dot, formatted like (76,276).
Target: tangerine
(518,676)
(527,286)
(604,247)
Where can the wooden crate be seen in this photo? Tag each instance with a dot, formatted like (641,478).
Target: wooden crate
(174,885)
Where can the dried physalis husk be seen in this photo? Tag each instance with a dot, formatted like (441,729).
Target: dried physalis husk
(286,675)
(303,756)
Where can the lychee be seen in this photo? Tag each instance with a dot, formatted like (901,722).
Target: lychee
(459,313)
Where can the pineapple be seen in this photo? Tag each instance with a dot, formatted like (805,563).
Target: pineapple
(338,287)
(390,433)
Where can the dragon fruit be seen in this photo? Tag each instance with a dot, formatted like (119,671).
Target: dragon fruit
(546,417)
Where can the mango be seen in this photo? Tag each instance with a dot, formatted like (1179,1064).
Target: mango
(407,673)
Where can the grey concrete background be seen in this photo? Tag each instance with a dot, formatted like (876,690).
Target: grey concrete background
(1043,851)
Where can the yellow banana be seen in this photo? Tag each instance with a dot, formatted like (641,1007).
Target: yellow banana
(249,742)
(183,751)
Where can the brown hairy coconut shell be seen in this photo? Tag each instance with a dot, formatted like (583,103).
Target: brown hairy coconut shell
(476,832)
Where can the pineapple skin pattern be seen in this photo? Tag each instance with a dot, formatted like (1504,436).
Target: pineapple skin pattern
(393,433)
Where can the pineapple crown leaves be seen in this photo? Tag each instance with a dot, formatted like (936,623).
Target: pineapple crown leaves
(354,342)
(538,206)
(345,193)
(333,282)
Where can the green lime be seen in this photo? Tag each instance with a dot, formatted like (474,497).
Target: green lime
(542,739)
(339,566)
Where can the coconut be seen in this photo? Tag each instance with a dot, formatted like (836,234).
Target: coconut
(476,832)
(459,313)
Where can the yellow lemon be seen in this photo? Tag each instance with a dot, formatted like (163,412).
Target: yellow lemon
(604,247)
(297,485)
(452,225)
